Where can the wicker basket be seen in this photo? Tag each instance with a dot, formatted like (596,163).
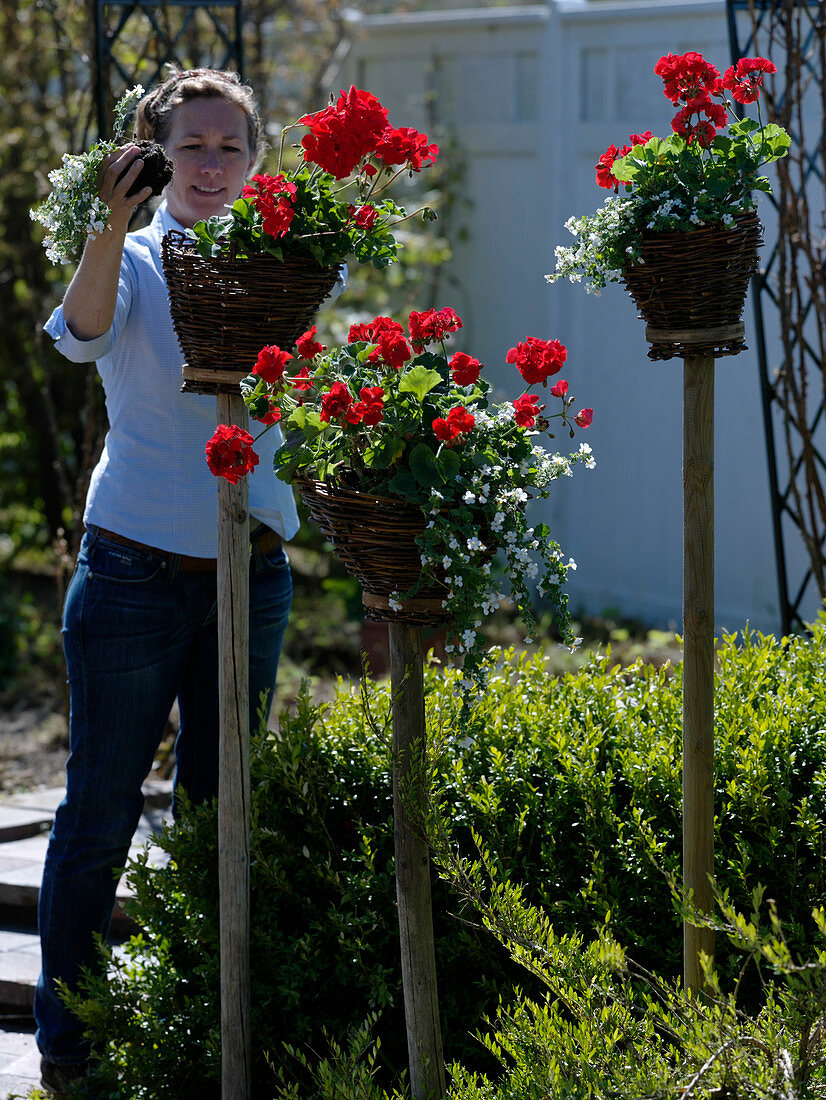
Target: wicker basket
(374,537)
(225,310)
(691,288)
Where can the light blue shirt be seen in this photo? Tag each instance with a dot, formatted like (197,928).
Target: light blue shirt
(152,483)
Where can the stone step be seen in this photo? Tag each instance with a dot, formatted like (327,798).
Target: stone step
(19,1061)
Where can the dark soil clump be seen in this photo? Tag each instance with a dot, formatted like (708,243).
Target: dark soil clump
(156,171)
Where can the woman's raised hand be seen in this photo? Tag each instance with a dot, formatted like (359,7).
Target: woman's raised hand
(118,172)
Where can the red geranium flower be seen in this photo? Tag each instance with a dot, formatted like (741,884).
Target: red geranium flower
(369,333)
(433,324)
(745,79)
(603,169)
(372,398)
(704,130)
(342,135)
(536,360)
(584,417)
(307,347)
(272,196)
(303,380)
(688,75)
(559,389)
(229,452)
(458,422)
(392,350)
(336,402)
(465,369)
(405,146)
(271,363)
(526,409)
(364,217)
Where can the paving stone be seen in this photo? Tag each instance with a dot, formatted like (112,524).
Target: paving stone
(18,822)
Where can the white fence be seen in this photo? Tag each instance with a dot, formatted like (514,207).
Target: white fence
(533,95)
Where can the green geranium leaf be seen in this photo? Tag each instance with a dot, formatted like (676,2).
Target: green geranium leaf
(744,126)
(423,466)
(419,381)
(448,464)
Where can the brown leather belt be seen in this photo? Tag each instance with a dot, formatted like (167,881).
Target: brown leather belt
(266,542)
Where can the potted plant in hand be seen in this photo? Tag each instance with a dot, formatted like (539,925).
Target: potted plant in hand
(73,212)
(420,481)
(680,228)
(257,274)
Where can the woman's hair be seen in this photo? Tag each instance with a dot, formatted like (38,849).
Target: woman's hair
(153,117)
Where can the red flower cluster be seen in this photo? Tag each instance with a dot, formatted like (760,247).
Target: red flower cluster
(745,79)
(458,422)
(465,369)
(526,409)
(272,196)
(606,162)
(271,363)
(392,350)
(229,452)
(307,346)
(341,135)
(405,146)
(370,407)
(338,404)
(357,127)
(692,81)
(433,324)
(688,77)
(703,130)
(536,360)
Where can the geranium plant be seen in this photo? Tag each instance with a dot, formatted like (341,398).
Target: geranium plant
(73,212)
(333,204)
(704,173)
(391,413)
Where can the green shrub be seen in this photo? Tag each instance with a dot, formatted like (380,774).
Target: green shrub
(573,786)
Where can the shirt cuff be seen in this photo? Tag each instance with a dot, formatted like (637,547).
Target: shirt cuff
(77,351)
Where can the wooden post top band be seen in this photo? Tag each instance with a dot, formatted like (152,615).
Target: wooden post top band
(424,611)
(723,334)
(204,380)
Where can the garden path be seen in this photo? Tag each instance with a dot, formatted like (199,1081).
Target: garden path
(25,820)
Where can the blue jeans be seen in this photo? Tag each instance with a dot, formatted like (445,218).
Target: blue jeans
(137,633)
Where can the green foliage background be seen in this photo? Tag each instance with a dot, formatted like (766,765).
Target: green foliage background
(571,783)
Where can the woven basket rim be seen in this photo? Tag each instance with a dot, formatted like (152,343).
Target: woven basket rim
(179,245)
(334,489)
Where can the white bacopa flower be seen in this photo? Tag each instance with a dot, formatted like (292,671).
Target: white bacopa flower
(469,497)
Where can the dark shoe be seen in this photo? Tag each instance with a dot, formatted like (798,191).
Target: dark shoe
(58,1079)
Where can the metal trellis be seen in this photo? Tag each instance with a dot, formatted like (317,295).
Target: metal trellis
(135,39)
(744,39)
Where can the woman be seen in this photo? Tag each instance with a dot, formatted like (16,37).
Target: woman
(140,618)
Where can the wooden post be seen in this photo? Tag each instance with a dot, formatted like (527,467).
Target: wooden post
(698,655)
(421,1003)
(234,781)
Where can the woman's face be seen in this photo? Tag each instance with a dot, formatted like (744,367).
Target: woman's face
(209,147)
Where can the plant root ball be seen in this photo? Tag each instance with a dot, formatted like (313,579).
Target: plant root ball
(156,171)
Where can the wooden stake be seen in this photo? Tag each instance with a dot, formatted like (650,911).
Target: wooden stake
(698,655)
(421,1002)
(234,774)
